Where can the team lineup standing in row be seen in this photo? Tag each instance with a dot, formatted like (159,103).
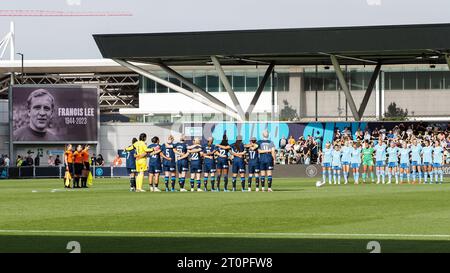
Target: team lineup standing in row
(402,160)
(209,162)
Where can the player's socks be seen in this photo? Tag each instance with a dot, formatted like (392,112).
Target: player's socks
(334,176)
(233,181)
(431,176)
(356,177)
(324,176)
(263,180)
(269,181)
(199,184)
(133,182)
(413,175)
(441,175)
(378,172)
(425,177)
(257,181)
(339,177)
(225,182)
(436,175)
(396,177)
(213,183)
(191,181)
(345,177)
(372,177)
(407,177)
(243,183)
(364,177)
(250,178)
(166,182)
(329,176)
(172,182)
(389,177)
(420,176)
(205,183)
(139,181)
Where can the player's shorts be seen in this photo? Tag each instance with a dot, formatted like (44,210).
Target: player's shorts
(78,168)
(238,167)
(404,165)
(196,168)
(266,166)
(154,168)
(326,164)
(415,163)
(392,164)
(182,166)
(141,165)
(222,164)
(437,165)
(131,170)
(87,166)
(368,163)
(337,167)
(169,167)
(70,168)
(345,163)
(426,164)
(355,165)
(253,167)
(379,163)
(209,167)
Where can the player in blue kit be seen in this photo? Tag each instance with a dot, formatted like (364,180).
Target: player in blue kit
(327,157)
(267,156)
(356,161)
(380,160)
(209,164)
(238,152)
(346,158)
(154,165)
(181,154)
(404,162)
(438,161)
(416,161)
(131,163)
(392,152)
(222,161)
(253,163)
(169,163)
(336,164)
(195,159)
(427,157)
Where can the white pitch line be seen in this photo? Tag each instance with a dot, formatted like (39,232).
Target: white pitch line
(294,234)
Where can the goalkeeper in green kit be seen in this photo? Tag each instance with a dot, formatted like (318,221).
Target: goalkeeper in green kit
(367,161)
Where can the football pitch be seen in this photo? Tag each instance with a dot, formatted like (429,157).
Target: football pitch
(41,216)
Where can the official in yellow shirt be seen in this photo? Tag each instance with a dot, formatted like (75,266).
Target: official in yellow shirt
(141,160)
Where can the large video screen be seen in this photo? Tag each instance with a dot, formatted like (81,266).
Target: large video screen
(47,114)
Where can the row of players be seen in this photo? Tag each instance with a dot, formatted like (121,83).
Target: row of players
(176,159)
(404,160)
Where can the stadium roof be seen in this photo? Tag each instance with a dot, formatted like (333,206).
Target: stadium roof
(392,44)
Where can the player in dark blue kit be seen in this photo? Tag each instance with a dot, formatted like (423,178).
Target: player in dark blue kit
(169,164)
(222,161)
(131,164)
(182,155)
(209,164)
(238,152)
(266,160)
(253,163)
(154,165)
(195,158)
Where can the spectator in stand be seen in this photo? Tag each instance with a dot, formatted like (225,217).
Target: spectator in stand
(19,161)
(117,162)
(100,161)
(51,161)
(283,142)
(37,161)
(93,160)
(6,161)
(291,140)
(57,161)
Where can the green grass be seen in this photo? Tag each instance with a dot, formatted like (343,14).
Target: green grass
(297,217)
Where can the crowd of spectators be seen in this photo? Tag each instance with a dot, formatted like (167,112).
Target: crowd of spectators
(305,151)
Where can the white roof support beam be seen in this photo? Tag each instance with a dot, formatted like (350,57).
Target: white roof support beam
(259,91)
(193,86)
(369,90)
(226,84)
(344,86)
(179,89)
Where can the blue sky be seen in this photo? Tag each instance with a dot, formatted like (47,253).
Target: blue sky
(71,37)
